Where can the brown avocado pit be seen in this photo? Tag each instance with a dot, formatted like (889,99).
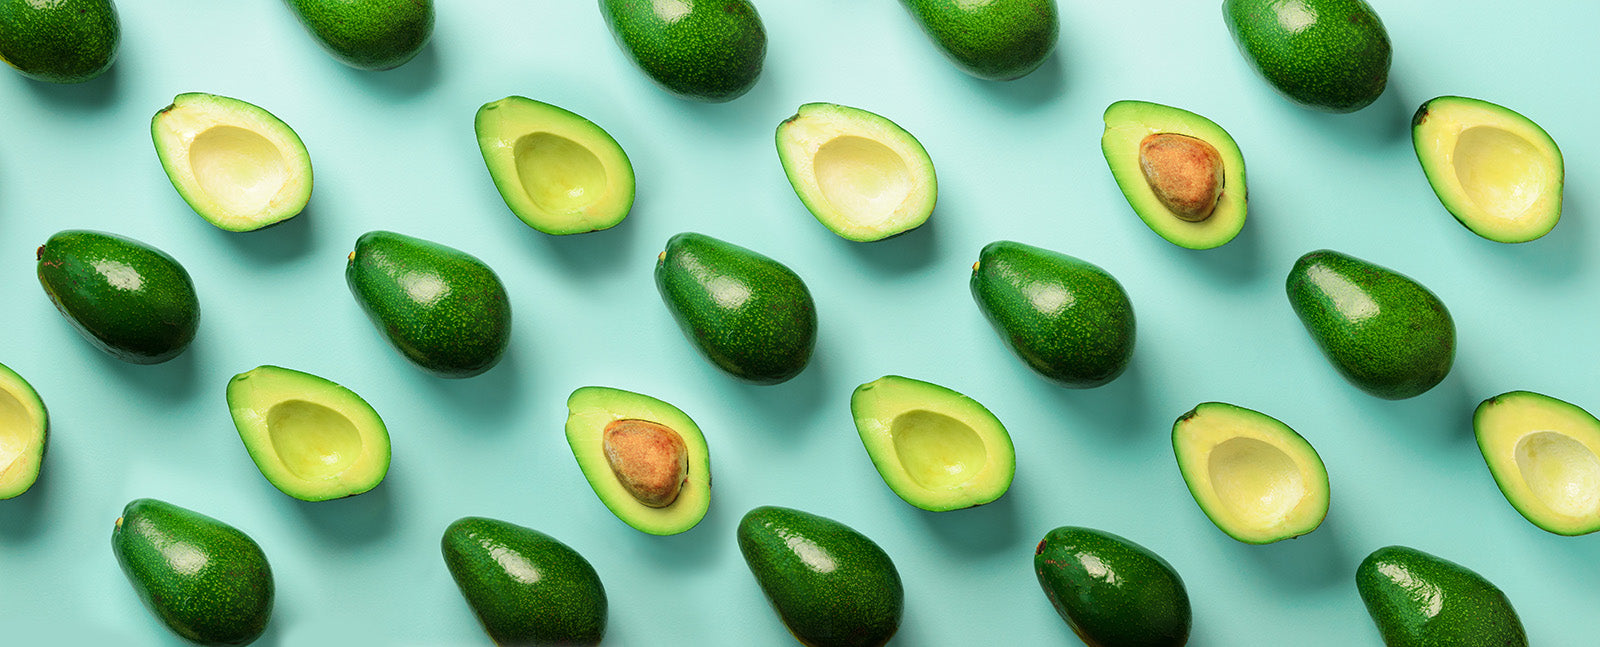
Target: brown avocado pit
(1185,174)
(650,460)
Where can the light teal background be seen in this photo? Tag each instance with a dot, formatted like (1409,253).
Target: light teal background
(1019,161)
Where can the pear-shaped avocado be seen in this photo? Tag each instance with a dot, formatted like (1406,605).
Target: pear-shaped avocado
(1253,476)
(831,585)
(314,440)
(645,459)
(526,587)
(997,40)
(61,41)
(1496,171)
(936,448)
(129,299)
(1544,454)
(1327,55)
(1111,591)
(371,34)
(1182,173)
(1384,332)
(24,428)
(558,172)
(1421,600)
(862,176)
(237,165)
(701,50)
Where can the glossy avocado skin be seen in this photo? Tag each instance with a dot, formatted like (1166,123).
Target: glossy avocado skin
(1327,55)
(554,598)
(204,579)
(857,602)
(371,34)
(766,335)
(1134,598)
(702,50)
(1384,332)
(62,41)
(1000,40)
(1082,336)
(127,298)
(1420,600)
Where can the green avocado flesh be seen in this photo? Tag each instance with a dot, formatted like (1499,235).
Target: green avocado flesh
(127,298)
(830,585)
(370,34)
(524,586)
(1420,600)
(24,428)
(60,41)
(1327,55)
(862,176)
(1253,476)
(996,40)
(645,459)
(1182,174)
(205,580)
(1545,456)
(937,449)
(311,438)
(1111,591)
(557,171)
(701,50)
(236,165)
(1496,171)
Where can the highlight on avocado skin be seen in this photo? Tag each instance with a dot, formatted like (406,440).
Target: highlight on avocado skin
(1496,171)
(996,40)
(704,50)
(127,298)
(1326,55)
(524,586)
(237,165)
(1417,599)
(858,601)
(1111,591)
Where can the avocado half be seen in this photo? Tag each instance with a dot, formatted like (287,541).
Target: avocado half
(1496,171)
(863,177)
(24,427)
(1181,172)
(1257,479)
(237,165)
(558,172)
(1545,456)
(936,448)
(645,459)
(314,440)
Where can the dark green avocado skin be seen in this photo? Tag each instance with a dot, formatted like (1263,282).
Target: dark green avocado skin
(554,597)
(127,298)
(204,579)
(60,41)
(1133,598)
(831,585)
(702,50)
(368,34)
(1327,55)
(1000,40)
(1420,600)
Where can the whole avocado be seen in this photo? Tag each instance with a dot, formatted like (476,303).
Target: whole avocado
(831,585)
(998,40)
(525,587)
(702,50)
(61,41)
(1327,55)
(370,34)
(129,299)
(1111,591)
(1421,600)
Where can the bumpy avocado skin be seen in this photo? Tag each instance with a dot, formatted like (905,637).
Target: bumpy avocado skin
(552,596)
(127,298)
(370,34)
(856,603)
(1327,55)
(1132,598)
(1001,40)
(705,50)
(61,41)
(1420,600)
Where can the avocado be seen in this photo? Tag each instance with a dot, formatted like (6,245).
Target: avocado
(61,41)
(442,308)
(1067,319)
(747,314)
(831,585)
(206,580)
(526,587)
(1495,170)
(645,459)
(1420,600)
(1111,591)
(997,40)
(862,176)
(1182,174)
(1327,55)
(701,50)
(313,439)
(24,428)
(937,449)
(557,171)
(371,34)
(1384,332)
(1545,456)
(129,299)
(236,165)
(1252,475)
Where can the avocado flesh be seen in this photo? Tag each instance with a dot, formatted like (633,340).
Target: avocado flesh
(1128,124)
(1326,55)
(935,448)
(126,298)
(60,41)
(1112,592)
(1544,454)
(525,587)
(590,410)
(829,584)
(24,429)
(236,164)
(1421,600)
(1496,171)
(558,172)
(312,439)
(862,176)
(1253,476)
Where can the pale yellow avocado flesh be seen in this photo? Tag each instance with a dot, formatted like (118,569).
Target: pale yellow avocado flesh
(1544,455)
(24,424)
(311,438)
(860,175)
(1497,172)
(1253,476)
(236,164)
(590,410)
(935,448)
(558,172)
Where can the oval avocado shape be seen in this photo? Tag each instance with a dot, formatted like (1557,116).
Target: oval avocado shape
(1068,320)
(237,165)
(831,585)
(597,414)
(702,50)
(1134,129)
(997,40)
(1253,476)
(129,299)
(206,580)
(442,308)
(1421,600)
(1327,55)
(1544,454)
(1384,332)
(1111,591)
(313,439)
(935,448)
(371,34)
(747,314)
(1496,171)
(61,41)
(526,587)
(24,430)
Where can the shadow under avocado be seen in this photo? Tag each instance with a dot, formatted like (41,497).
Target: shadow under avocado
(1038,88)
(1557,255)
(485,400)
(94,94)
(1312,561)
(590,254)
(1239,260)
(691,550)
(790,405)
(409,79)
(986,529)
(171,381)
(20,516)
(1443,414)
(1386,121)
(1122,406)
(357,520)
(281,241)
(905,252)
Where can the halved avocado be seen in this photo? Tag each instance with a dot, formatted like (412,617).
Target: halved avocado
(1495,170)
(645,459)
(24,426)
(311,438)
(862,176)
(1257,479)
(236,165)
(1545,456)
(557,171)
(1181,172)
(937,449)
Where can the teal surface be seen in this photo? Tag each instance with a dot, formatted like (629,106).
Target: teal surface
(1019,161)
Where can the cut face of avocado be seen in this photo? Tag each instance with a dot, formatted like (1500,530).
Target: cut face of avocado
(862,176)
(937,449)
(1180,172)
(1545,456)
(1496,171)
(24,425)
(1257,479)
(236,165)
(311,438)
(557,171)
(645,459)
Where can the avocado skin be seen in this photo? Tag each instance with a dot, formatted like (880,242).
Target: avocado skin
(558,600)
(227,601)
(1082,339)
(765,337)
(1420,600)
(1002,40)
(1395,341)
(371,34)
(856,603)
(127,298)
(1327,55)
(712,53)
(1137,600)
(62,41)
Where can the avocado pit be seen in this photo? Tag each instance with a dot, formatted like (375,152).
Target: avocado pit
(1185,174)
(649,459)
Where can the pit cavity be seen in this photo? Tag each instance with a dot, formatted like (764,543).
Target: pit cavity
(558,175)
(863,179)
(16,429)
(1500,171)
(1255,481)
(937,451)
(1563,473)
(312,441)
(237,168)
